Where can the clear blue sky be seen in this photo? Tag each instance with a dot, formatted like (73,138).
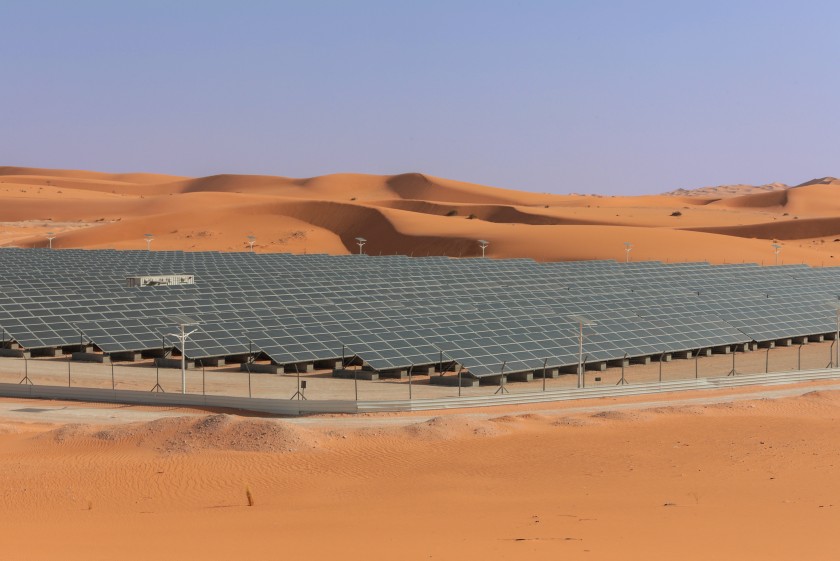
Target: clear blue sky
(584,96)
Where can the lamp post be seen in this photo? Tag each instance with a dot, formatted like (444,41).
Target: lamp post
(582,322)
(776,250)
(361,242)
(149,238)
(836,305)
(483,245)
(837,341)
(183,323)
(50,238)
(251,240)
(628,247)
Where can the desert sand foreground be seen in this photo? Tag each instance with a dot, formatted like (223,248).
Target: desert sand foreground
(751,479)
(416,214)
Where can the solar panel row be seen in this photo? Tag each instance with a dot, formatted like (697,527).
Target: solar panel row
(397,311)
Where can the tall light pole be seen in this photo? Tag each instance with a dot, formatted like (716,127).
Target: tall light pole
(50,238)
(582,322)
(361,242)
(837,340)
(251,240)
(627,248)
(836,305)
(183,323)
(776,250)
(149,238)
(483,244)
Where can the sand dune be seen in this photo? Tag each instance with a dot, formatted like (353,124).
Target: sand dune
(490,213)
(787,230)
(725,191)
(821,181)
(37,174)
(415,214)
(818,198)
(758,200)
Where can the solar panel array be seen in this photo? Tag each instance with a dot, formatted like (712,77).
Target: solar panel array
(393,312)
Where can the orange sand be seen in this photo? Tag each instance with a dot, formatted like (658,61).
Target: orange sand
(408,214)
(749,480)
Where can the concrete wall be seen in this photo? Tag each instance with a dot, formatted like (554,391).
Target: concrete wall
(295,407)
(99,395)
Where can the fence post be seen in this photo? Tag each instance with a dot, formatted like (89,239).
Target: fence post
(26,379)
(661,357)
(622,380)
(697,364)
(410,368)
(248,368)
(545,362)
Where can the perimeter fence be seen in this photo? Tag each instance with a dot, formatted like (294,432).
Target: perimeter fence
(321,386)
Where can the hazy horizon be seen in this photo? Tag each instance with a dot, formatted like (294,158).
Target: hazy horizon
(597,97)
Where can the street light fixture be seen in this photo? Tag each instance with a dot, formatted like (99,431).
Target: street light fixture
(149,238)
(776,250)
(627,248)
(183,323)
(251,240)
(483,244)
(582,322)
(361,242)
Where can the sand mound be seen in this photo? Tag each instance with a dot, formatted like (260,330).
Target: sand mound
(677,410)
(64,433)
(9,428)
(822,396)
(451,428)
(506,419)
(728,406)
(618,416)
(190,434)
(572,422)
